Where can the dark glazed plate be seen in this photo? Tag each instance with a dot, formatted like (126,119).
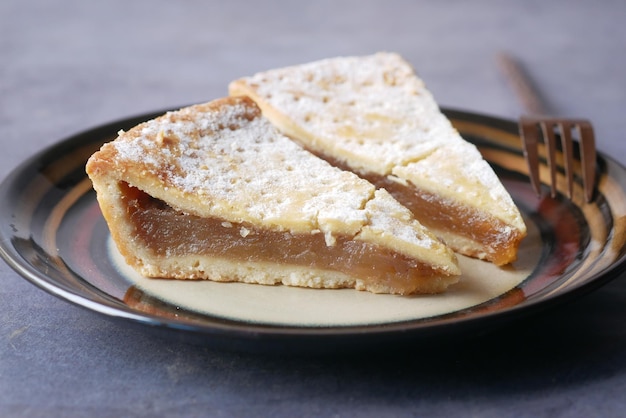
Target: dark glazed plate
(52,233)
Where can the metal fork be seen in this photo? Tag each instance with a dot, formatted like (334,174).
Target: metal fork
(557,134)
(550,129)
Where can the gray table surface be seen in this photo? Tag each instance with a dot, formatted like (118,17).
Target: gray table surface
(67,66)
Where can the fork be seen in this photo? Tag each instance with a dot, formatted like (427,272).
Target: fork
(534,130)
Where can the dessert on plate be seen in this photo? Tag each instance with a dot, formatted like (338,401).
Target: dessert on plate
(215,191)
(374,116)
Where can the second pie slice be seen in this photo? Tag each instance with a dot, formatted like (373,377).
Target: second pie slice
(373,115)
(214,191)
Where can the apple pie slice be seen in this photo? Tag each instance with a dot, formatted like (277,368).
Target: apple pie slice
(214,191)
(372,115)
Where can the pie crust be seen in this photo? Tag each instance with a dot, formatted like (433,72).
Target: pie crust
(215,191)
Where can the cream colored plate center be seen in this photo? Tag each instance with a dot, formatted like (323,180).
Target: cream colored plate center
(291,306)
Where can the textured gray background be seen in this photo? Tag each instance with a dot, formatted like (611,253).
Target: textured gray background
(66,66)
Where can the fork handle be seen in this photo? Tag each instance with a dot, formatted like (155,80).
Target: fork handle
(521,83)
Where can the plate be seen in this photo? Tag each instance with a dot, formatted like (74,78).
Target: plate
(53,234)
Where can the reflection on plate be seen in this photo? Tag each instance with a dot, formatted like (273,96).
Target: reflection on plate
(53,234)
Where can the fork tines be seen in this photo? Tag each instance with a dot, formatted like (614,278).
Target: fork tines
(534,130)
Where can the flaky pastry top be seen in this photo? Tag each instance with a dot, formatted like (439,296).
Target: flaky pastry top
(223,159)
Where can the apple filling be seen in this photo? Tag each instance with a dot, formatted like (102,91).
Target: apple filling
(477,233)
(170,233)
(463,229)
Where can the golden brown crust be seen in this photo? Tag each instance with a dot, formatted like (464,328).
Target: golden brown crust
(223,160)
